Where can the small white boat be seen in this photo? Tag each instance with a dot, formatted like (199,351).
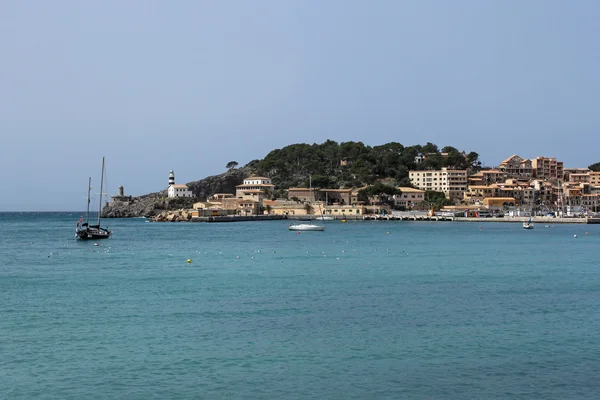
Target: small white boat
(324,218)
(528,224)
(306,227)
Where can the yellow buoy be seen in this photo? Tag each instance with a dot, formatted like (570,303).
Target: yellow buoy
(189,260)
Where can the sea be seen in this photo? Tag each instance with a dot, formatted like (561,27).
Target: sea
(252,310)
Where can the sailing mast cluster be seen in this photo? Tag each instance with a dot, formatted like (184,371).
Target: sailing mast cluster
(84,230)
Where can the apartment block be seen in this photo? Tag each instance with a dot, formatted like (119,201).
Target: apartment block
(453,183)
(517,167)
(547,168)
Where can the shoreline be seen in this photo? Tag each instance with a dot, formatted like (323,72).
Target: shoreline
(293,218)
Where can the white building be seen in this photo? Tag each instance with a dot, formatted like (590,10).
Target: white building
(179,190)
(453,183)
(257,180)
(254,183)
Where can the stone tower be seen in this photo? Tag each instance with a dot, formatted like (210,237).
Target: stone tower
(171,178)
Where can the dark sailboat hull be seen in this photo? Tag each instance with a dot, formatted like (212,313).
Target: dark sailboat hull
(88,234)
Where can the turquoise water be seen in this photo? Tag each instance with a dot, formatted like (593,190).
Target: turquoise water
(364,310)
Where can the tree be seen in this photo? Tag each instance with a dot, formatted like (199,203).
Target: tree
(231,165)
(436,199)
(383,192)
(268,209)
(595,167)
(429,148)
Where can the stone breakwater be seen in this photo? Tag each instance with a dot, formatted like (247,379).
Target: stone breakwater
(173,216)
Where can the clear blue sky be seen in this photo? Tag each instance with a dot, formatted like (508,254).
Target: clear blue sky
(190,85)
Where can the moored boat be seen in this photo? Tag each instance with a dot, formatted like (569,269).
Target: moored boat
(84,230)
(528,224)
(306,227)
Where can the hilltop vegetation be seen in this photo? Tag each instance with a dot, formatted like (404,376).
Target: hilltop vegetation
(595,167)
(354,164)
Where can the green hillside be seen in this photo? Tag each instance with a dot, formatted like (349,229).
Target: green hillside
(354,164)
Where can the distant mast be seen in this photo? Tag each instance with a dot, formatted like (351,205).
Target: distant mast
(87,215)
(101,186)
(171,178)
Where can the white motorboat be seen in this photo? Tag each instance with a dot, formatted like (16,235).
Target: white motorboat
(528,224)
(324,218)
(306,227)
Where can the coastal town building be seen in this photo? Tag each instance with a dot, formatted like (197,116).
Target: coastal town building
(453,183)
(303,194)
(580,178)
(221,196)
(336,196)
(476,193)
(515,166)
(177,190)
(547,168)
(328,196)
(595,178)
(255,183)
(499,202)
(408,197)
(568,171)
(341,210)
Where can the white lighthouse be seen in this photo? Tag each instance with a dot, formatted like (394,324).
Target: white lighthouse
(177,190)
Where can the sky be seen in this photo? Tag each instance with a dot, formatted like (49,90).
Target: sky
(191,85)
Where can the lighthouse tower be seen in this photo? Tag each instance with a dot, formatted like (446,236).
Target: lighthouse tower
(171,178)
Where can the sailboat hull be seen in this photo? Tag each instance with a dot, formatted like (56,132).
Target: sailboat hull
(92,233)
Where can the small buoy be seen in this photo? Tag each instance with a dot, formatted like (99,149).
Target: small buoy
(586,233)
(298,233)
(574,236)
(388,233)
(189,260)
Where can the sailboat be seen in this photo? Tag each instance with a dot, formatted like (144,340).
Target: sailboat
(307,227)
(324,217)
(529,224)
(84,230)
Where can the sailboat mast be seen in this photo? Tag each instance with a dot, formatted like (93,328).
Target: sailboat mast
(101,184)
(87,215)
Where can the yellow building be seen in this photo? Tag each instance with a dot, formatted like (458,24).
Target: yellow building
(480,192)
(341,210)
(499,202)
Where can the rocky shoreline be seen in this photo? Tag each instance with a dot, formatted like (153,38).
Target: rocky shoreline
(173,216)
(153,204)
